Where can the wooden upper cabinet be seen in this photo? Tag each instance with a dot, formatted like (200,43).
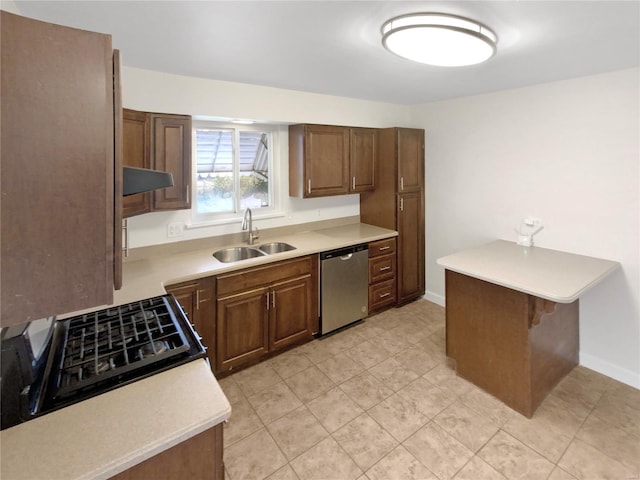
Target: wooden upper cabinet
(136,152)
(410,151)
(161,142)
(172,153)
(329,160)
(318,160)
(57,169)
(363,159)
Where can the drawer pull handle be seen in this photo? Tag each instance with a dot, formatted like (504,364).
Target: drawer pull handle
(382,269)
(385,295)
(384,248)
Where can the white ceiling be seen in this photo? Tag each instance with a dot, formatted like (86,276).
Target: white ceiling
(334,47)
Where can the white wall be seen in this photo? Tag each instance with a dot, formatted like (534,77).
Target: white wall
(565,152)
(159,92)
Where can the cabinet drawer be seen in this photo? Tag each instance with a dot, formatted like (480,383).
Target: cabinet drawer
(263,275)
(382,294)
(382,247)
(381,268)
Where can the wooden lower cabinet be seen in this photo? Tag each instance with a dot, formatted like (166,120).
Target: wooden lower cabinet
(197,299)
(511,344)
(265,309)
(382,274)
(197,458)
(411,247)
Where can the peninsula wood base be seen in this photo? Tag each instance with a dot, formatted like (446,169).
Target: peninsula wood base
(513,345)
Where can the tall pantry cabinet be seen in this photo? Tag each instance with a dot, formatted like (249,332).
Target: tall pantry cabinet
(398,204)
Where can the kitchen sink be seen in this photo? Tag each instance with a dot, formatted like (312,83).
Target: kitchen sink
(235,254)
(276,247)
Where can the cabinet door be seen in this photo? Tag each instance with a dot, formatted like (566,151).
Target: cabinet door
(242,328)
(290,316)
(136,145)
(325,154)
(410,151)
(172,153)
(57,169)
(410,262)
(197,299)
(363,158)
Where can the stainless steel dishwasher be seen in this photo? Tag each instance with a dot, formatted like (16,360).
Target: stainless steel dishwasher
(344,287)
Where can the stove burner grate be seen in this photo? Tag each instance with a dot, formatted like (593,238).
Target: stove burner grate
(109,343)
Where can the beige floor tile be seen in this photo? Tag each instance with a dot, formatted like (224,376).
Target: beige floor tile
(334,409)
(400,465)
(392,342)
(614,442)
(625,394)
(290,363)
(398,417)
(478,469)
(273,402)
(368,329)
(588,463)
(309,383)
(368,353)
(582,396)
(256,378)
(559,474)
(326,460)
(514,459)
(393,374)
(317,351)
(243,422)
(444,376)
(342,341)
(467,426)
(417,360)
(540,435)
(296,432)
(341,368)
(254,457)
(285,473)
(364,440)
(438,451)
(590,379)
(487,405)
(366,390)
(426,397)
(619,412)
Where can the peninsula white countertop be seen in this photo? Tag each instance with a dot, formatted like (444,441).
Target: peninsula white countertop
(102,436)
(550,274)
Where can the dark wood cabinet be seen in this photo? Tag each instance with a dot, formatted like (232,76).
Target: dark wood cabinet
(57,169)
(264,309)
(161,142)
(397,203)
(382,274)
(197,299)
(329,160)
(172,153)
(197,458)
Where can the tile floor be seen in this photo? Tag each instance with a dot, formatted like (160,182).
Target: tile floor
(380,401)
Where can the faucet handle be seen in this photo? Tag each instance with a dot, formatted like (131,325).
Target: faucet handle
(255,234)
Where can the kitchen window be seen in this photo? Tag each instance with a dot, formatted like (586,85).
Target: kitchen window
(233,170)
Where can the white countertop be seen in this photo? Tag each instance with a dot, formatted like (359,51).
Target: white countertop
(107,434)
(147,277)
(550,274)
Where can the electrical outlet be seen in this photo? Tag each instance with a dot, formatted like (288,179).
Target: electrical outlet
(175,229)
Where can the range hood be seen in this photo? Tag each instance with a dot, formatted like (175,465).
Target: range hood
(140,180)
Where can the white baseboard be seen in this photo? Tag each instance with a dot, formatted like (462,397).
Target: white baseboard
(435,298)
(610,370)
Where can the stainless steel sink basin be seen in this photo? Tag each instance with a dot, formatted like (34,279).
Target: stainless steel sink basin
(276,247)
(235,254)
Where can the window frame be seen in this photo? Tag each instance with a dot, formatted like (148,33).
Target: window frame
(273,153)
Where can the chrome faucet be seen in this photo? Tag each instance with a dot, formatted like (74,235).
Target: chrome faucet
(252,236)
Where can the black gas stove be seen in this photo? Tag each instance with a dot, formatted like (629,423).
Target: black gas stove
(51,365)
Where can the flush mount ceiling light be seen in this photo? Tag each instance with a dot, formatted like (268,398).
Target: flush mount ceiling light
(439,39)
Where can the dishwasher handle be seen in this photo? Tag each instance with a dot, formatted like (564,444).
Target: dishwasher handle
(345,252)
(346,257)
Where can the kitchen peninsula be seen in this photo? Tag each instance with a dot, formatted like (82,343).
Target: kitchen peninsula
(512,317)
